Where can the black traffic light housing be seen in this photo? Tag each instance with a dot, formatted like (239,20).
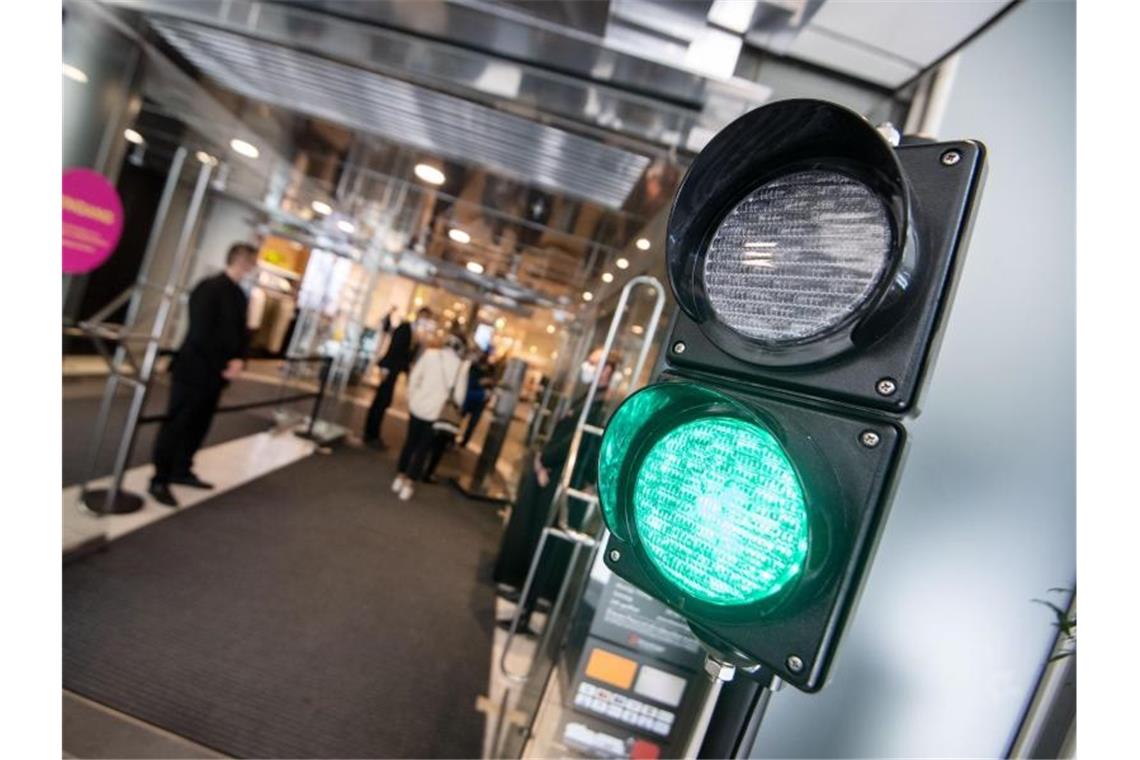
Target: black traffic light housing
(835,403)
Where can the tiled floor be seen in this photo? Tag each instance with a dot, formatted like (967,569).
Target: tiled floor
(226,465)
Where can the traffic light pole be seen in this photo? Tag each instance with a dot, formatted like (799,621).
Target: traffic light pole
(735,720)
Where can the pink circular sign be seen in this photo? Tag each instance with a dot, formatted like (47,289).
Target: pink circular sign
(92,220)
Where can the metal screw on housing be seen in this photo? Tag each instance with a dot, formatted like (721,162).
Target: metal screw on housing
(886,387)
(721,671)
(951,157)
(869,438)
(795,664)
(615,555)
(679,347)
(890,133)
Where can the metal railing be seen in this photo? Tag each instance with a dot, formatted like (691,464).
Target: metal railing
(560,528)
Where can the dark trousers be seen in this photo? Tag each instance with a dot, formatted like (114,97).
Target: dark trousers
(441,440)
(380,403)
(476,412)
(417,447)
(529,516)
(189,413)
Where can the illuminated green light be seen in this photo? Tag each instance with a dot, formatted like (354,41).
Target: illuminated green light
(720,511)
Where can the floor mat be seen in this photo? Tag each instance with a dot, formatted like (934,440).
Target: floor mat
(306,614)
(82,398)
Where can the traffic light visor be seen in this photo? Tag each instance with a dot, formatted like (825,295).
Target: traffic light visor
(708,493)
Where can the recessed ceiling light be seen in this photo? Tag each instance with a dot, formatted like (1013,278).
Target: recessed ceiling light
(642,244)
(550,329)
(458,235)
(74,74)
(206,158)
(500,323)
(247,149)
(474,266)
(587,296)
(133,136)
(458,305)
(429,174)
(607,277)
(637,329)
(621,263)
(321,207)
(346,226)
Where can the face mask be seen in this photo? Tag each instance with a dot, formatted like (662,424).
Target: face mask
(587,372)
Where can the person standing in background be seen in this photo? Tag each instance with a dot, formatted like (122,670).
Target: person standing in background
(479,382)
(532,509)
(438,376)
(396,359)
(212,354)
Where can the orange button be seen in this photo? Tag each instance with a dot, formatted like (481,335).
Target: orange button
(611,668)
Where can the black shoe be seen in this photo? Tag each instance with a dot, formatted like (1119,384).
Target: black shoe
(524,628)
(161,493)
(430,480)
(377,444)
(191,480)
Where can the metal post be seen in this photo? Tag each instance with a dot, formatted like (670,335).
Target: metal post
(558,526)
(132,314)
(732,724)
(114,499)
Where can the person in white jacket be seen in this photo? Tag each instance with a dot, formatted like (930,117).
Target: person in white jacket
(439,373)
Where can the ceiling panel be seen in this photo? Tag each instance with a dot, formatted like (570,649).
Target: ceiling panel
(446,125)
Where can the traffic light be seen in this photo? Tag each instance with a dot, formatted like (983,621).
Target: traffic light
(747,484)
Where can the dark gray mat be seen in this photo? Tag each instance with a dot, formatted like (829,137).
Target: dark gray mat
(306,614)
(81,400)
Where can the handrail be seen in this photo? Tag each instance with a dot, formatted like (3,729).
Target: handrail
(560,527)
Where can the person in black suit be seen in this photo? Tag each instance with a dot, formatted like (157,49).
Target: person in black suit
(212,354)
(396,359)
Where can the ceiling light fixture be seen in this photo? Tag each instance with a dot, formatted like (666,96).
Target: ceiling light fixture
(346,226)
(133,137)
(607,277)
(430,174)
(621,263)
(474,266)
(643,244)
(458,235)
(247,149)
(206,158)
(587,296)
(550,329)
(321,207)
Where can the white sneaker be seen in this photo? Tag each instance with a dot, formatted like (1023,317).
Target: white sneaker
(407,491)
(398,483)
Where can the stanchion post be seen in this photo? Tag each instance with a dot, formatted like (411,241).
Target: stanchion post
(178,268)
(326,370)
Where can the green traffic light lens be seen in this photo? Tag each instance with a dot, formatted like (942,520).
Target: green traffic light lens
(720,511)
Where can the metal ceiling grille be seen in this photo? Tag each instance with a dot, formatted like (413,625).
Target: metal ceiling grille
(448,126)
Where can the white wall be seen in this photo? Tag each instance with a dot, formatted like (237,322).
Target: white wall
(945,648)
